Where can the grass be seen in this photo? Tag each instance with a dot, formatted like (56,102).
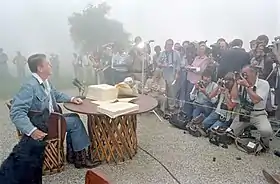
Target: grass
(10,86)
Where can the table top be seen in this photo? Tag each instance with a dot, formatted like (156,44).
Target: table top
(146,103)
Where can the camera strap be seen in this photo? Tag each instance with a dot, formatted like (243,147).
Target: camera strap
(167,57)
(277,83)
(243,93)
(224,114)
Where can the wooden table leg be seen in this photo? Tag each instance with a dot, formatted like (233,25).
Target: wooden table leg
(113,139)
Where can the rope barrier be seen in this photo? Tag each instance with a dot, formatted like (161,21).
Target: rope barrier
(214,108)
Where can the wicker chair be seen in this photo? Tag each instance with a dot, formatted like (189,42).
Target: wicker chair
(54,152)
(94,176)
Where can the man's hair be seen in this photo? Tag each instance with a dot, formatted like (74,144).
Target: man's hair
(221,40)
(157,47)
(202,43)
(169,40)
(252,68)
(263,38)
(34,61)
(188,42)
(137,38)
(229,76)
(237,42)
(253,41)
(207,73)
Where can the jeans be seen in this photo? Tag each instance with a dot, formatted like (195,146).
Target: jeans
(76,132)
(277,96)
(182,86)
(213,121)
(205,109)
(187,106)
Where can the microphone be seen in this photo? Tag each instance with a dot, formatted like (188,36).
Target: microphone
(80,87)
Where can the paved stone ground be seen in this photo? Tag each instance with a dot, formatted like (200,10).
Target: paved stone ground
(190,159)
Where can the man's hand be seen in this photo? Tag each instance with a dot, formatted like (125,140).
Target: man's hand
(77,101)
(225,91)
(38,135)
(243,82)
(188,67)
(202,89)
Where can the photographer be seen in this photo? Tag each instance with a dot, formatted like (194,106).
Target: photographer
(200,95)
(156,87)
(233,59)
(276,51)
(139,57)
(251,93)
(221,116)
(194,72)
(217,48)
(169,61)
(157,50)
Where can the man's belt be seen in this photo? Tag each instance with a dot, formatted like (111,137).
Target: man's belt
(256,110)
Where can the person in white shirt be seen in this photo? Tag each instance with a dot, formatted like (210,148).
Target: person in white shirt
(75,64)
(116,57)
(251,93)
(89,76)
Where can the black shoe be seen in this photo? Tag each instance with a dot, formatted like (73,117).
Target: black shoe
(82,161)
(70,154)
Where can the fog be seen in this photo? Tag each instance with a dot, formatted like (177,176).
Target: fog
(42,26)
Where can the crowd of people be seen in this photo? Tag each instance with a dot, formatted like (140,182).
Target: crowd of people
(224,84)
(221,87)
(20,61)
(193,79)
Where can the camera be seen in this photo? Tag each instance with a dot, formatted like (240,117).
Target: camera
(277,39)
(201,83)
(221,82)
(216,51)
(237,75)
(245,111)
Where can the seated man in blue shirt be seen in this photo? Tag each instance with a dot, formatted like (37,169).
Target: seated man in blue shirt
(38,94)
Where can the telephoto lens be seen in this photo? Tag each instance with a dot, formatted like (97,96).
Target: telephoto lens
(277,153)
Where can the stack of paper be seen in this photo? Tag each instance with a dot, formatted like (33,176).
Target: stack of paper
(114,110)
(102,92)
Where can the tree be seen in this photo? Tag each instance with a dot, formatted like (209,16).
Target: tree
(92,28)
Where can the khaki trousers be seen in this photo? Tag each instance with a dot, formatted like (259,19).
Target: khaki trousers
(80,74)
(259,120)
(162,101)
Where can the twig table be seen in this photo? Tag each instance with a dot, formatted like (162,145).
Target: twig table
(112,139)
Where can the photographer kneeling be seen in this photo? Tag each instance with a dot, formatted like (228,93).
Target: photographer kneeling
(203,103)
(252,94)
(221,116)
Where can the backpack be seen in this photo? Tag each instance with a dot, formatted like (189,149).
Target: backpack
(179,120)
(195,127)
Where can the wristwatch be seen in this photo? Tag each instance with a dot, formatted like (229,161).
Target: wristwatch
(249,87)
